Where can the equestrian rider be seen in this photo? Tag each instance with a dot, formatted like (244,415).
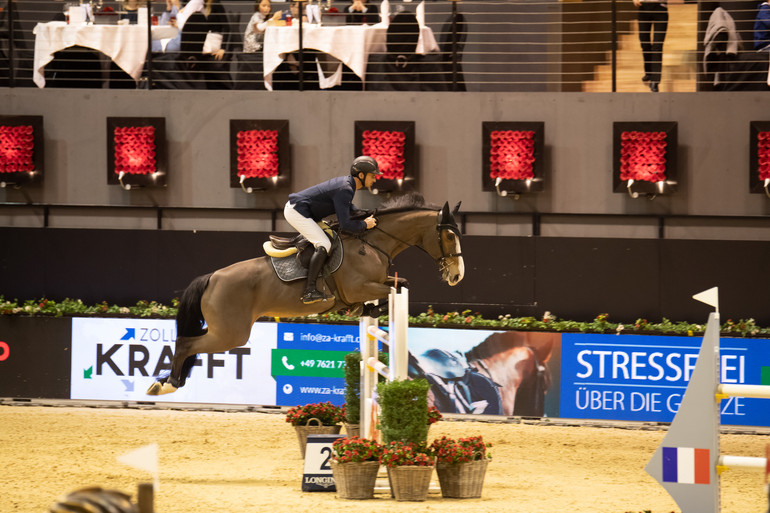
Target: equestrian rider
(305,208)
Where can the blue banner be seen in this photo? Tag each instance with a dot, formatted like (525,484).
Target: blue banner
(643,378)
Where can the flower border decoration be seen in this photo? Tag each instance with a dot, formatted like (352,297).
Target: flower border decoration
(136,152)
(21,150)
(260,154)
(512,156)
(391,144)
(644,157)
(759,157)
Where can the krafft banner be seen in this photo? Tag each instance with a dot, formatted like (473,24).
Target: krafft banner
(118,359)
(643,378)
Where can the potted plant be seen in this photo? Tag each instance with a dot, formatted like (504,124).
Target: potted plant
(314,419)
(403,410)
(410,466)
(355,462)
(461,466)
(353,391)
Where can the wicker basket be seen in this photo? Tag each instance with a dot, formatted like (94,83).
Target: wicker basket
(353,430)
(461,480)
(355,480)
(315,429)
(410,483)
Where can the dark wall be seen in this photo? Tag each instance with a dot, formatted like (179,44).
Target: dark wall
(573,278)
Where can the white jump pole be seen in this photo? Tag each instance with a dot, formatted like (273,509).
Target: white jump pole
(396,340)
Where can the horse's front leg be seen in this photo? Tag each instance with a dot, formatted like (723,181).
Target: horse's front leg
(180,367)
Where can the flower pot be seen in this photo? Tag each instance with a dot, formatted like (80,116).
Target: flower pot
(317,428)
(410,483)
(461,480)
(355,480)
(353,430)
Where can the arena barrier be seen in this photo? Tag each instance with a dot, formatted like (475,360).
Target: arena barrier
(398,355)
(687,463)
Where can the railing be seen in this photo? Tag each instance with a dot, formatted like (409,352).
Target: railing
(536,221)
(519,45)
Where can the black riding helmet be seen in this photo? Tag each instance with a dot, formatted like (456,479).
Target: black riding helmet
(364,165)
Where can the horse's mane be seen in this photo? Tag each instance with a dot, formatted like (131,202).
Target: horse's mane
(404,203)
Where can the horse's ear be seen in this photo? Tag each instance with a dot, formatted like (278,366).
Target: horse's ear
(445,213)
(457,208)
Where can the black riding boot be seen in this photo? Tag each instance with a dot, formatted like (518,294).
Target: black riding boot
(312,295)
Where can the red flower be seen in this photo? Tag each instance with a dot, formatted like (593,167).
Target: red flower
(16,149)
(512,154)
(643,156)
(387,148)
(135,150)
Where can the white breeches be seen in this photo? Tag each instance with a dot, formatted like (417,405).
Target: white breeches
(307,227)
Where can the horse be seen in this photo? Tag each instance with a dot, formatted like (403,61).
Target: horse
(231,299)
(517,362)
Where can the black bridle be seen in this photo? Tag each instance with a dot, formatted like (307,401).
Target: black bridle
(440,227)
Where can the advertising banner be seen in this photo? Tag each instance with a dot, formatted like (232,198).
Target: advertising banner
(643,378)
(118,359)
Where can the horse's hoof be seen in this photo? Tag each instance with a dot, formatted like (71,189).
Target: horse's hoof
(159,388)
(167,388)
(154,389)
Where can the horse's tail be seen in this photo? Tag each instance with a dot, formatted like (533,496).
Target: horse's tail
(189,317)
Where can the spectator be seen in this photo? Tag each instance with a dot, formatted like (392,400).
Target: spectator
(255,30)
(762,28)
(360,13)
(653,23)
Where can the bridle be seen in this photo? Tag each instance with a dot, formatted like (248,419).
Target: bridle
(440,227)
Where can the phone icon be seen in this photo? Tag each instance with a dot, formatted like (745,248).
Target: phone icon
(285,361)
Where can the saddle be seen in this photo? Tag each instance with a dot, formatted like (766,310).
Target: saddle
(280,247)
(290,256)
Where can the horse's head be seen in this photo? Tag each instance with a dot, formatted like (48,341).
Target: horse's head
(450,257)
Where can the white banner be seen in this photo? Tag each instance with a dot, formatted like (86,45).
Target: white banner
(118,359)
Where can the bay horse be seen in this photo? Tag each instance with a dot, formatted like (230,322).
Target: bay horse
(518,363)
(231,299)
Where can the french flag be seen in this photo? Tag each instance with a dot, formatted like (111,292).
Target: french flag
(686,465)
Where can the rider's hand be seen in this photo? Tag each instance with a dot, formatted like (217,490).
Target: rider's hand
(371,222)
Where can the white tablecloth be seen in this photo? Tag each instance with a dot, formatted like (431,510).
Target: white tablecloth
(126,45)
(351,44)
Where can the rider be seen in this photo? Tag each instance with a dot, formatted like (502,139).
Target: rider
(305,208)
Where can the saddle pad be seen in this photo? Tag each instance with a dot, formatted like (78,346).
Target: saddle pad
(290,269)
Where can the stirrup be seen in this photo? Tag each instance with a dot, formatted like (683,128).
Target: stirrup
(314,296)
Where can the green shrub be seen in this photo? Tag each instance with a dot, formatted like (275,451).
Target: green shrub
(403,411)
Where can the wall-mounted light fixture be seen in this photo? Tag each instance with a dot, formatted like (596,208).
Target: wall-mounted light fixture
(512,157)
(21,150)
(391,144)
(644,158)
(136,152)
(759,157)
(260,155)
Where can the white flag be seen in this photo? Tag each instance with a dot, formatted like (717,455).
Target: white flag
(710,297)
(144,458)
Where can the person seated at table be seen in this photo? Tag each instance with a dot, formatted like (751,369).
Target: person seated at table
(255,30)
(169,17)
(361,13)
(131,11)
(203,27)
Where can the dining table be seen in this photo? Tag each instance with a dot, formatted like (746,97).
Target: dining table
(125,44)
(350,45)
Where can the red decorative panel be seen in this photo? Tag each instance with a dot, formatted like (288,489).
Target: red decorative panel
(512,154)
(391,144)
(387,148)
(135,150)
(643,156)
(257,153)
(17,149)
(763,155)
